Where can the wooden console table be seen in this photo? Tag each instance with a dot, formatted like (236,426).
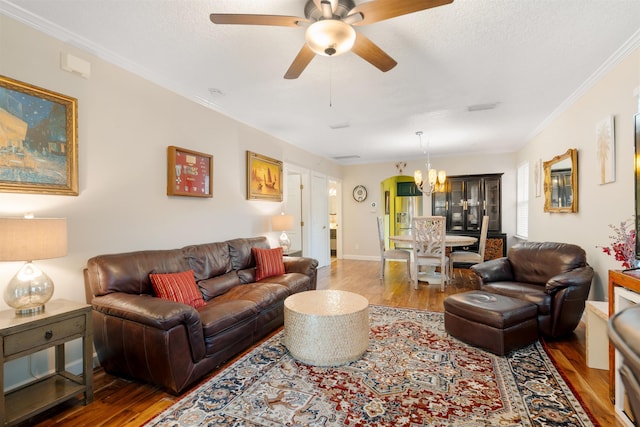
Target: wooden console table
(60,322)
(630,281)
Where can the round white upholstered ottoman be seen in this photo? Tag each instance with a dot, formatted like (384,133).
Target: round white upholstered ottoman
(326,328)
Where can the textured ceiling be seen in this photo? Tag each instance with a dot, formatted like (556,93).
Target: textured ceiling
(528,57)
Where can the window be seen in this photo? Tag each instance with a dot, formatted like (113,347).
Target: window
(522,201)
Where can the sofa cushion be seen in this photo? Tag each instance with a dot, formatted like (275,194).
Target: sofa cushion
(263,295)
(215,286)
(179,287)
(208,260)
(294,282)
(129,272)
(240,251)
(537,262)
(523,291)
(268,262)
(219,315)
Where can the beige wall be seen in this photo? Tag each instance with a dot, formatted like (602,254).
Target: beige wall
(125,126)
(599,205)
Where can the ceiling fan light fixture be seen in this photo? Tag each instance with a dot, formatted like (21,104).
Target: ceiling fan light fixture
(330,37)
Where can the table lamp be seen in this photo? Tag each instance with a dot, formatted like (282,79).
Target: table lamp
(283,223)
(28,239)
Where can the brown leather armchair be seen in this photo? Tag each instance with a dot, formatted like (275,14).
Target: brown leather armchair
(624,333)
(553,276)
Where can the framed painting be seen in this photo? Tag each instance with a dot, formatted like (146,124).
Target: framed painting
(38,140)
(264,178)
(606,151)
(189,173)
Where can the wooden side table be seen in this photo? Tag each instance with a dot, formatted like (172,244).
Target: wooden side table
(61,321)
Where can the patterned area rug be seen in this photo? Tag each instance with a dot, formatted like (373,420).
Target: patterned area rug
(413,374)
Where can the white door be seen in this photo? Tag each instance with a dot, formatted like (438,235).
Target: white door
(320,220)
(294,207)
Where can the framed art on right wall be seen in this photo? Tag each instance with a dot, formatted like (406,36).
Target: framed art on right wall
(606,150)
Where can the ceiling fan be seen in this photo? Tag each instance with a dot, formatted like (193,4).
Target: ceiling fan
(329,28)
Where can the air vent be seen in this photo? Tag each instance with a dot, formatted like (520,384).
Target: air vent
(482,107)
(340,125)
(352,156)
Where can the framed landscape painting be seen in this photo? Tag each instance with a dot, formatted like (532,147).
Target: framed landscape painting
(264,178)
(38,140)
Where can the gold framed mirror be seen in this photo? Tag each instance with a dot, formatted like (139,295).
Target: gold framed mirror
(561,182)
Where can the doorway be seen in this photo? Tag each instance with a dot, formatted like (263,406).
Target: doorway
(294,207)
(333,219)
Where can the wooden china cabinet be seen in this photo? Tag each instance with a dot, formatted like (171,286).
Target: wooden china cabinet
(466,199)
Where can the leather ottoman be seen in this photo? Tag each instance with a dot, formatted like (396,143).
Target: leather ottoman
(496,323)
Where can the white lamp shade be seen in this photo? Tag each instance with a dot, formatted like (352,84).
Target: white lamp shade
(28,239)
(330,37)
(282,222)
(442,176)
(25,239)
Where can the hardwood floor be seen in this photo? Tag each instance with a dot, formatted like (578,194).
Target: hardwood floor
(118,402)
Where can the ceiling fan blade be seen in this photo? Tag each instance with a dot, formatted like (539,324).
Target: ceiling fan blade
(272,20)
(352,19)
(300,62)
(379,10)
(370,52)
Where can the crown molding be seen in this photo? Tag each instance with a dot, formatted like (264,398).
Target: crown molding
(624,51)
(47,27)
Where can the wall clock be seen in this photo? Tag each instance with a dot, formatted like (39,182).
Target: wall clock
(359,193)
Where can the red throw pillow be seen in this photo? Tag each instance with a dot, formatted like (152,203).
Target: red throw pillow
(178,287)
(268,262)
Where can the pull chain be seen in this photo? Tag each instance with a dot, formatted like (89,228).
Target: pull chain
(330,83)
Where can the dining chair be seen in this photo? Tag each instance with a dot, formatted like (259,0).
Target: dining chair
(470,257)
(392,254)
(428,234)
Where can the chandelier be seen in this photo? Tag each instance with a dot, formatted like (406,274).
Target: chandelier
(435,179)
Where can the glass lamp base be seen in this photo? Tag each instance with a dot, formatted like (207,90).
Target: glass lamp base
(285,243)
(29,290)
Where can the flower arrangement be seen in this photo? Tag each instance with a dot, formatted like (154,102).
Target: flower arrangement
(623,243)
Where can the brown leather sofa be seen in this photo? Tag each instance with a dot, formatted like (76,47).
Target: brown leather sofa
(140,336)
(553,276)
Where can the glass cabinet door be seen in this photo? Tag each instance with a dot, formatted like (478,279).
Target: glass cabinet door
(457,204)
(473,211)
(439,204)
(492,203)
(466,200)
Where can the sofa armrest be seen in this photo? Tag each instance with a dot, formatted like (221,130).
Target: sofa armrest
(303,265)
(495,270)
(578,277)
(155,313)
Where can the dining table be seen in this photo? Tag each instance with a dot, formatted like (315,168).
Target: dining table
(451,240)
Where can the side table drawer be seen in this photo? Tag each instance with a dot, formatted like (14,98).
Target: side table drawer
(43,335)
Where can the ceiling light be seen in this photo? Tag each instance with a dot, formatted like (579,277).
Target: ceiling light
(330,37)
(435,179)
